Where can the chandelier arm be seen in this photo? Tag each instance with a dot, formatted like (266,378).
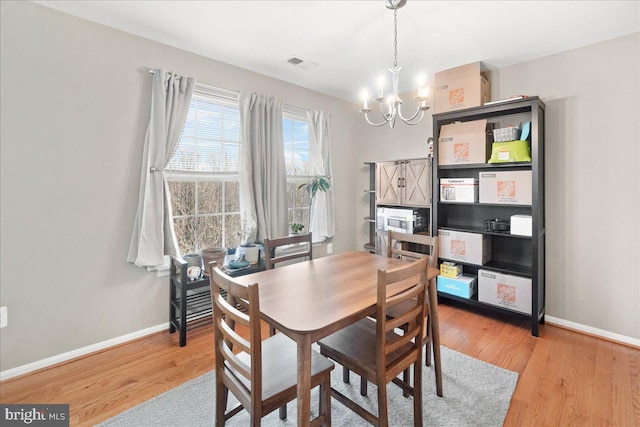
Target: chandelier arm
(366,116)
(412,117)
(411,122)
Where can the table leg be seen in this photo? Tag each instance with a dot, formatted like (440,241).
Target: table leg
(304,380)
(435,330)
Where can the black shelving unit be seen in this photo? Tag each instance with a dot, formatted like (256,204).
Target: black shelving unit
(511,254)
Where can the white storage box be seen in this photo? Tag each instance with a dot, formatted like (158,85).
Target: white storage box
(506,187)
(471,248)
(462,190)
(505,290)
(521,225)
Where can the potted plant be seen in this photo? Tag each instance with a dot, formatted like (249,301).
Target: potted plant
(296,227)
(249,249)
(318,183)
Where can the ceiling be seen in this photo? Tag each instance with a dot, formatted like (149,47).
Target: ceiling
(352,41)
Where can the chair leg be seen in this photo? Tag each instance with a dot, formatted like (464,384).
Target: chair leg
(363,386)
(345,375)
(417,393)
(383,416)
(325,400)
(221,401)
(427,343)
(272,331)
(283,412)
(405,378)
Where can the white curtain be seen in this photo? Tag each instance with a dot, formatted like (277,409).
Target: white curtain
(322,215)
(153,236)
(263,177)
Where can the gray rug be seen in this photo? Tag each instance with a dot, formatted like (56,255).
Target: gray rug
(475,394)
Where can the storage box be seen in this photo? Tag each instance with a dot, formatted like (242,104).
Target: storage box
(521,225)
(506,134)
(462,190)
(505,290)
(466,247)
(461,87)
(463,286)
(506,187)
(511,151)
(450,270)
(464,142)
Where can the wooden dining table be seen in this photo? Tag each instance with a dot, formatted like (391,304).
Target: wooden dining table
(310,300)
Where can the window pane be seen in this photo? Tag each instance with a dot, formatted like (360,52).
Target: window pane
(183,197)
(209,231)
(209,197)
(185,229)
(232,230)
(232,196)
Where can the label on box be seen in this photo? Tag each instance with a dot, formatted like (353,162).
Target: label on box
(463,190)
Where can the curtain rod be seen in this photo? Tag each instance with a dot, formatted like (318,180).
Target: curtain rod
(232,94)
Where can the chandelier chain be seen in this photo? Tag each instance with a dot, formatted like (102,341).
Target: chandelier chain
(395,38)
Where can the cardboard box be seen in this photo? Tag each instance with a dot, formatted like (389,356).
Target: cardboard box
(463,286)
(461,87)
(464,142)
(521,225)
(461,190)
(505,290)
(472,248)
(450,270)
(512,188)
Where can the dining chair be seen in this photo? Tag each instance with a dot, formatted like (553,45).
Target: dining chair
(303,250)
(263,374)
(372,348)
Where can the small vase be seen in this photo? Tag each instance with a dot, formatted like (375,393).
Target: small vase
(251,253)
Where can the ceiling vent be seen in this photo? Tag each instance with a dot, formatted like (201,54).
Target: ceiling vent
(303,64)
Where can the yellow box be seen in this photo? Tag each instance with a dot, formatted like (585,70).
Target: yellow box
(451,270)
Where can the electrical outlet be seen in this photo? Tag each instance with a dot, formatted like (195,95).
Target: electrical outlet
(3,317)
(329,248)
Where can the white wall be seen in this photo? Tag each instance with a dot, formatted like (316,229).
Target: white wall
(592,97)
(75,101)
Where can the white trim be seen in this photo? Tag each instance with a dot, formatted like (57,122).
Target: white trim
(592,331)
(44,363)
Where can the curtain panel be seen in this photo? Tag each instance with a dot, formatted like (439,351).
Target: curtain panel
(322,215)
(153,235)
(263,177)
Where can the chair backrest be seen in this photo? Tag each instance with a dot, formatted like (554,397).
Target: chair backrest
(270,246)
(415,244)
(402,288)
(240,307)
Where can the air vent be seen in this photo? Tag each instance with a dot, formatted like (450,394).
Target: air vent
(294,61)
(303,64)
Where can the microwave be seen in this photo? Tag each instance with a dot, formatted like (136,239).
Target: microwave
(402,220)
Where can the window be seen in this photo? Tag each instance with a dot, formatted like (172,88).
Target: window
(203,175)
(296,155)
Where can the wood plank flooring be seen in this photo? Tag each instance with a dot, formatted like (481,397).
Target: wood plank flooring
(566,378)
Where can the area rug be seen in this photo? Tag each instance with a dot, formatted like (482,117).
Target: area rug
(475,394)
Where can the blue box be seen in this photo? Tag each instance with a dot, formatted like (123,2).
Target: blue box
(463,286)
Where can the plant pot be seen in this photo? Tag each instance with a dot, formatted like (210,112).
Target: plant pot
(251,253)
(216,254)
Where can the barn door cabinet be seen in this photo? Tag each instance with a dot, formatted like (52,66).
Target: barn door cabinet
(404,183)
(512,254)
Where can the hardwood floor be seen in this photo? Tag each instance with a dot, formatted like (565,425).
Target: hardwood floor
(566,378)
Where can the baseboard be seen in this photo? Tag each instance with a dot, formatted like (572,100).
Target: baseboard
(588,330)
(30,367)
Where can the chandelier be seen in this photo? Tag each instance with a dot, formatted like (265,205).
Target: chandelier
(392,103)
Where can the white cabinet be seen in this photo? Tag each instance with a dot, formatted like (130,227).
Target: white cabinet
(404,182)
